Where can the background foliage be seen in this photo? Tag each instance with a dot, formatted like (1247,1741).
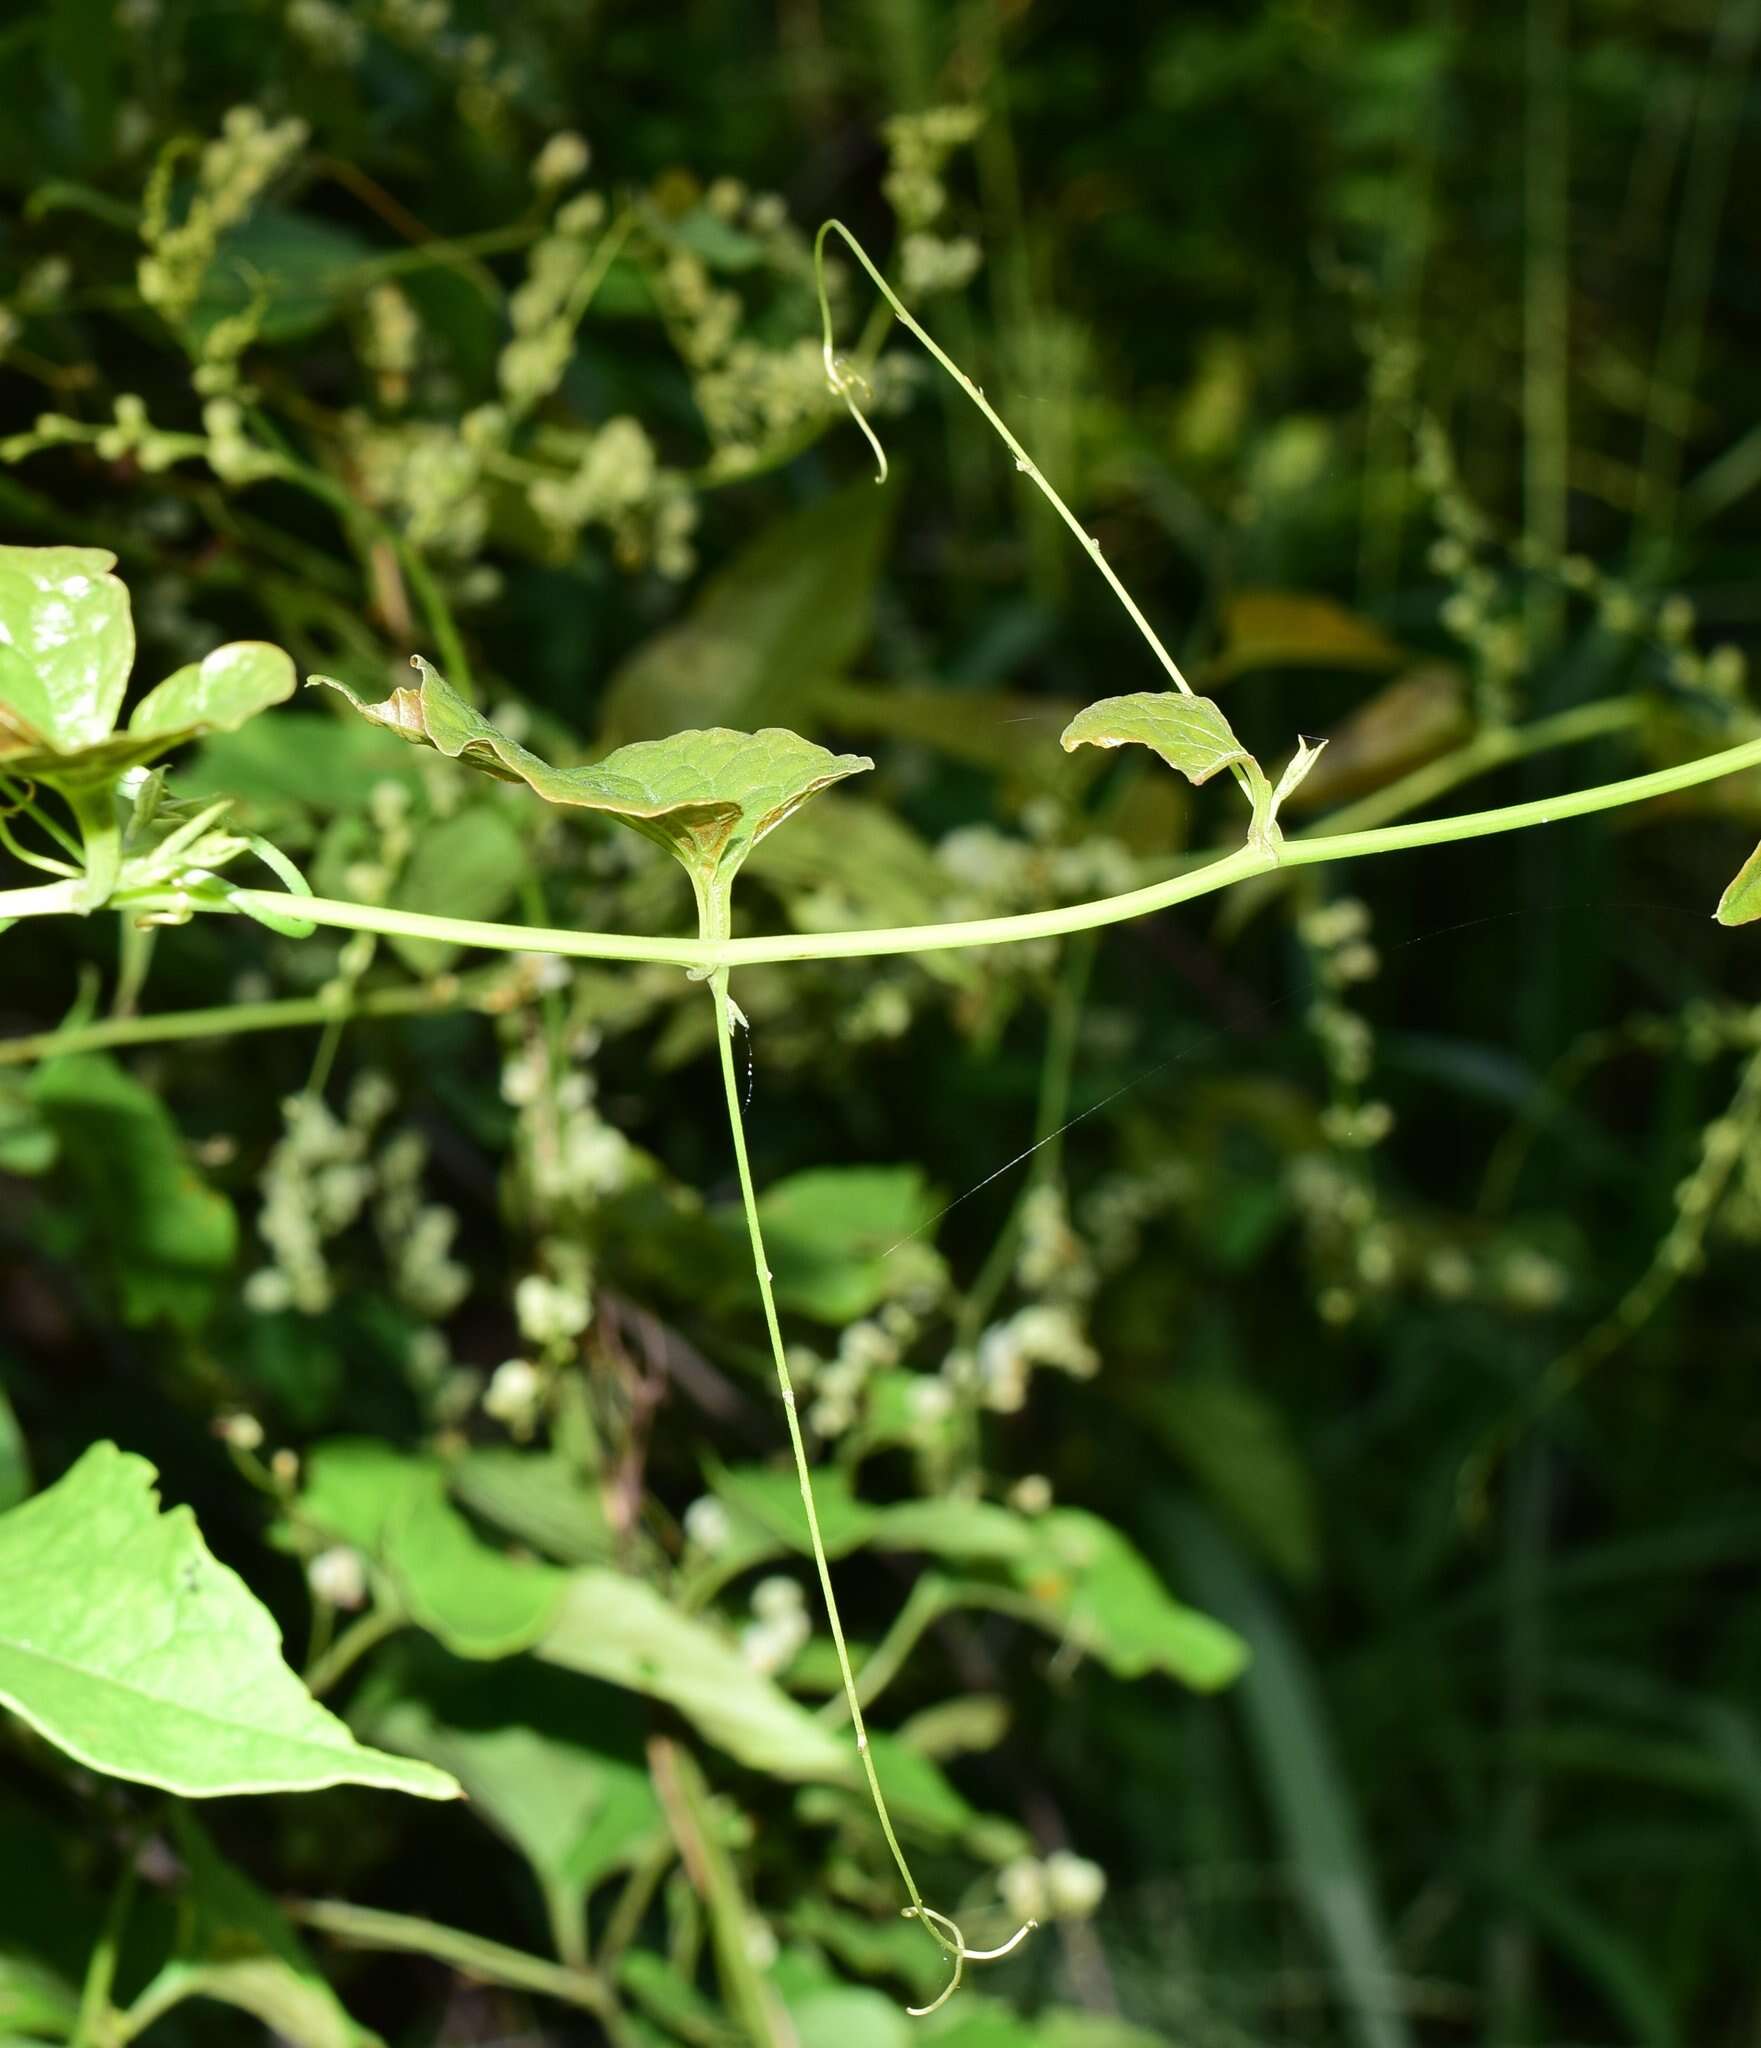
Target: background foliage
(1389,1298)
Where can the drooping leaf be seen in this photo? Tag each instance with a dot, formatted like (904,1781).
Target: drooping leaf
(708,797)
(67,643)
(234,1945)
(786,615)
(552,1762)
(623,1631)
(476,1599)
(1190,733)
(1741,901)
(167,1237)
(1102,1592)
(127,1645)
(219,693)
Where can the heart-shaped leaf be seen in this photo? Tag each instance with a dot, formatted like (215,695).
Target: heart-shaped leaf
(67,643)
(126,1644)
(1189,733)
(708,797)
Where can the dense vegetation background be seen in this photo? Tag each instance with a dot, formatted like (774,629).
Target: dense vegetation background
(1392,1291)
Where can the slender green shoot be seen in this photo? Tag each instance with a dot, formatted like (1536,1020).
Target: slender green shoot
(944,1930)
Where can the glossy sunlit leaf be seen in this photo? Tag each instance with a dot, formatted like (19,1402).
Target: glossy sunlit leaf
(66,648)
(69,643)
(1741,902)
(708,797)
(623,1631)
(829,1232)
(128,1646)
(219,693)
(1189,733)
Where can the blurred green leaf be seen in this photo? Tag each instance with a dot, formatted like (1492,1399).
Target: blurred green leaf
(167,1238)
(234,1945)
(1400,728)
(291,273)
(973,1531)
(553,1763)
(1102,1592)
(469,865)
(125,1644)
(1294,629)
(15,1458)
(829,1232)
(476,1599)
(627,1633)
(787,614)
(539,1497)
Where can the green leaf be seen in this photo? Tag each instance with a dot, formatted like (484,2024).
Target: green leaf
(1741,902)
(1101,1591)
(234,1945)
(469,865)
(477,1600)
(1400,728)
(538,1497)
(554,1764)
(788,614)
(982,2023)
(293,272)
(35,2001)
(168,1238)
(970,1531)
(125,1644)
(15,1458)
(219,693)
(828,1233)
(68,641)
(623,1631)
(1190,733)
(707,797)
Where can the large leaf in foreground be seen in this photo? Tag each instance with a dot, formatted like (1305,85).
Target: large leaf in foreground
(1190,733)
(127,1645)
(1741,901)
(708,797)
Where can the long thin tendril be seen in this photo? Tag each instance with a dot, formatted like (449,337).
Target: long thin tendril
(945,1932)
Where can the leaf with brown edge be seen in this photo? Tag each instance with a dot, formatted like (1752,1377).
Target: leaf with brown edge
(709,797)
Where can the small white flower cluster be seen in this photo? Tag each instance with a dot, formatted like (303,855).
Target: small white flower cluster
(329,32)
(999,1369)
(231,173)
(339,1576)
(1062,1887)
(780,1627)
(1116,1210)
(918,149)
(1052,1259)
(390,342)
(618,482)
(708,1526)
(515,1396)
(427,476)
(1337,939)
(546,308)
(318,1181)
(876,1344)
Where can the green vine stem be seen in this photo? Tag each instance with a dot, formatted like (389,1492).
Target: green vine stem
(704,956)
(944,1930)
